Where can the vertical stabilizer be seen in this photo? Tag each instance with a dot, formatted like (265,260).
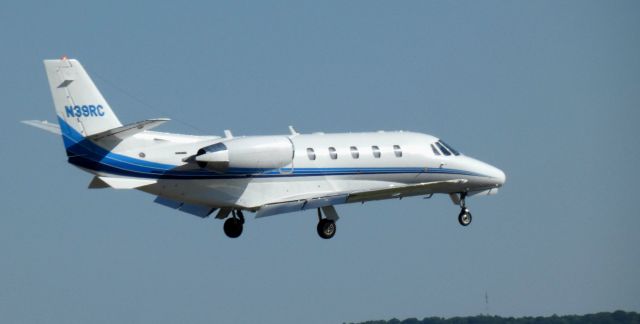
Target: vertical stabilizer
(79,104)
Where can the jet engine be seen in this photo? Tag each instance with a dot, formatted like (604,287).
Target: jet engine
(249,153)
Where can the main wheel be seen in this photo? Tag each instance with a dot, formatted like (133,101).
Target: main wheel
(464,218)
(233,227)
(326,228)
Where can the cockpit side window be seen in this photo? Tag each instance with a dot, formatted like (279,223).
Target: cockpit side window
(454,151)
(443,149)
(435,150)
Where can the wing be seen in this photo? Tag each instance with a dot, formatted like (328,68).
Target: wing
(329,199)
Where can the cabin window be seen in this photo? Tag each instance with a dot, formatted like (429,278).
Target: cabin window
(435,150)
(332,153)
(454,151)
(397,151)
(376,151)
(311,154)
(443,149)
(354,152)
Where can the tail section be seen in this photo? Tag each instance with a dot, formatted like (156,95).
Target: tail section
(81,108)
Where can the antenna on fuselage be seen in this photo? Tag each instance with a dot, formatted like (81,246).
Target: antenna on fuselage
(293,131)
(227,133)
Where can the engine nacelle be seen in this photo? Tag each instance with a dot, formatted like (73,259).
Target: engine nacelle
(260,152)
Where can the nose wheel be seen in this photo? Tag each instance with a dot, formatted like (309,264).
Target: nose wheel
(464,218)
(233,225)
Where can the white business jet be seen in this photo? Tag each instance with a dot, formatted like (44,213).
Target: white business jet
(266,175)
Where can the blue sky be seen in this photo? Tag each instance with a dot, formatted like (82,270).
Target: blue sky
(548,91)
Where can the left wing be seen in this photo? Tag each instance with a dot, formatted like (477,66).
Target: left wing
(336,198)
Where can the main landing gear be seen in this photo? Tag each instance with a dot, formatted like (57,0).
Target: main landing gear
(326,227)
(233,224)
(464,218)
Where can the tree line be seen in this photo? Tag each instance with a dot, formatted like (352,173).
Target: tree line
(596,318)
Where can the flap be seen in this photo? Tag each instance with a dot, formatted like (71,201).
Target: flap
(301,204)
(201,211)
(280,208)
(129,130)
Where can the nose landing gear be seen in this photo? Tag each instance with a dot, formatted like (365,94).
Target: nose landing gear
(464,218)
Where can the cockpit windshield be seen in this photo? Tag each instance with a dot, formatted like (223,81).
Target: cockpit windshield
(443,148)
(454,151)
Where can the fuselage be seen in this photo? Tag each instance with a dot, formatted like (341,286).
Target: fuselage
(268,175)
(320,163)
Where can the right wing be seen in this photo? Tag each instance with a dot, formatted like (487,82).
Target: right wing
(329,199)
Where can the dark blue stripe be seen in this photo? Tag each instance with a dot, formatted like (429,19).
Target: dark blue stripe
(86,154)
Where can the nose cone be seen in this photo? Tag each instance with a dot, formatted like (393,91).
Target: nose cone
(491,176)
(498,175)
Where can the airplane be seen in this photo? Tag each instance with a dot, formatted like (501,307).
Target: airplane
(266,175)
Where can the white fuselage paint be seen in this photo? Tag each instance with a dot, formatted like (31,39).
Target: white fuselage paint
(417,164)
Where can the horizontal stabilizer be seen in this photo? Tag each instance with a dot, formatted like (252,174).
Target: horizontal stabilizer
(44,125)
(122,183)
(129,130)
(201,211)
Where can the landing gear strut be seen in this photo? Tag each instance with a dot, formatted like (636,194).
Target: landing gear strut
(464,218)
(326,227)
(233,225)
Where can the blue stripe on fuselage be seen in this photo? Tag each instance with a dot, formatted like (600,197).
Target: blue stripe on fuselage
(86,154)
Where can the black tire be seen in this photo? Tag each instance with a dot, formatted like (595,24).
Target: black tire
(233,227)
(464,218)
(326,228)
